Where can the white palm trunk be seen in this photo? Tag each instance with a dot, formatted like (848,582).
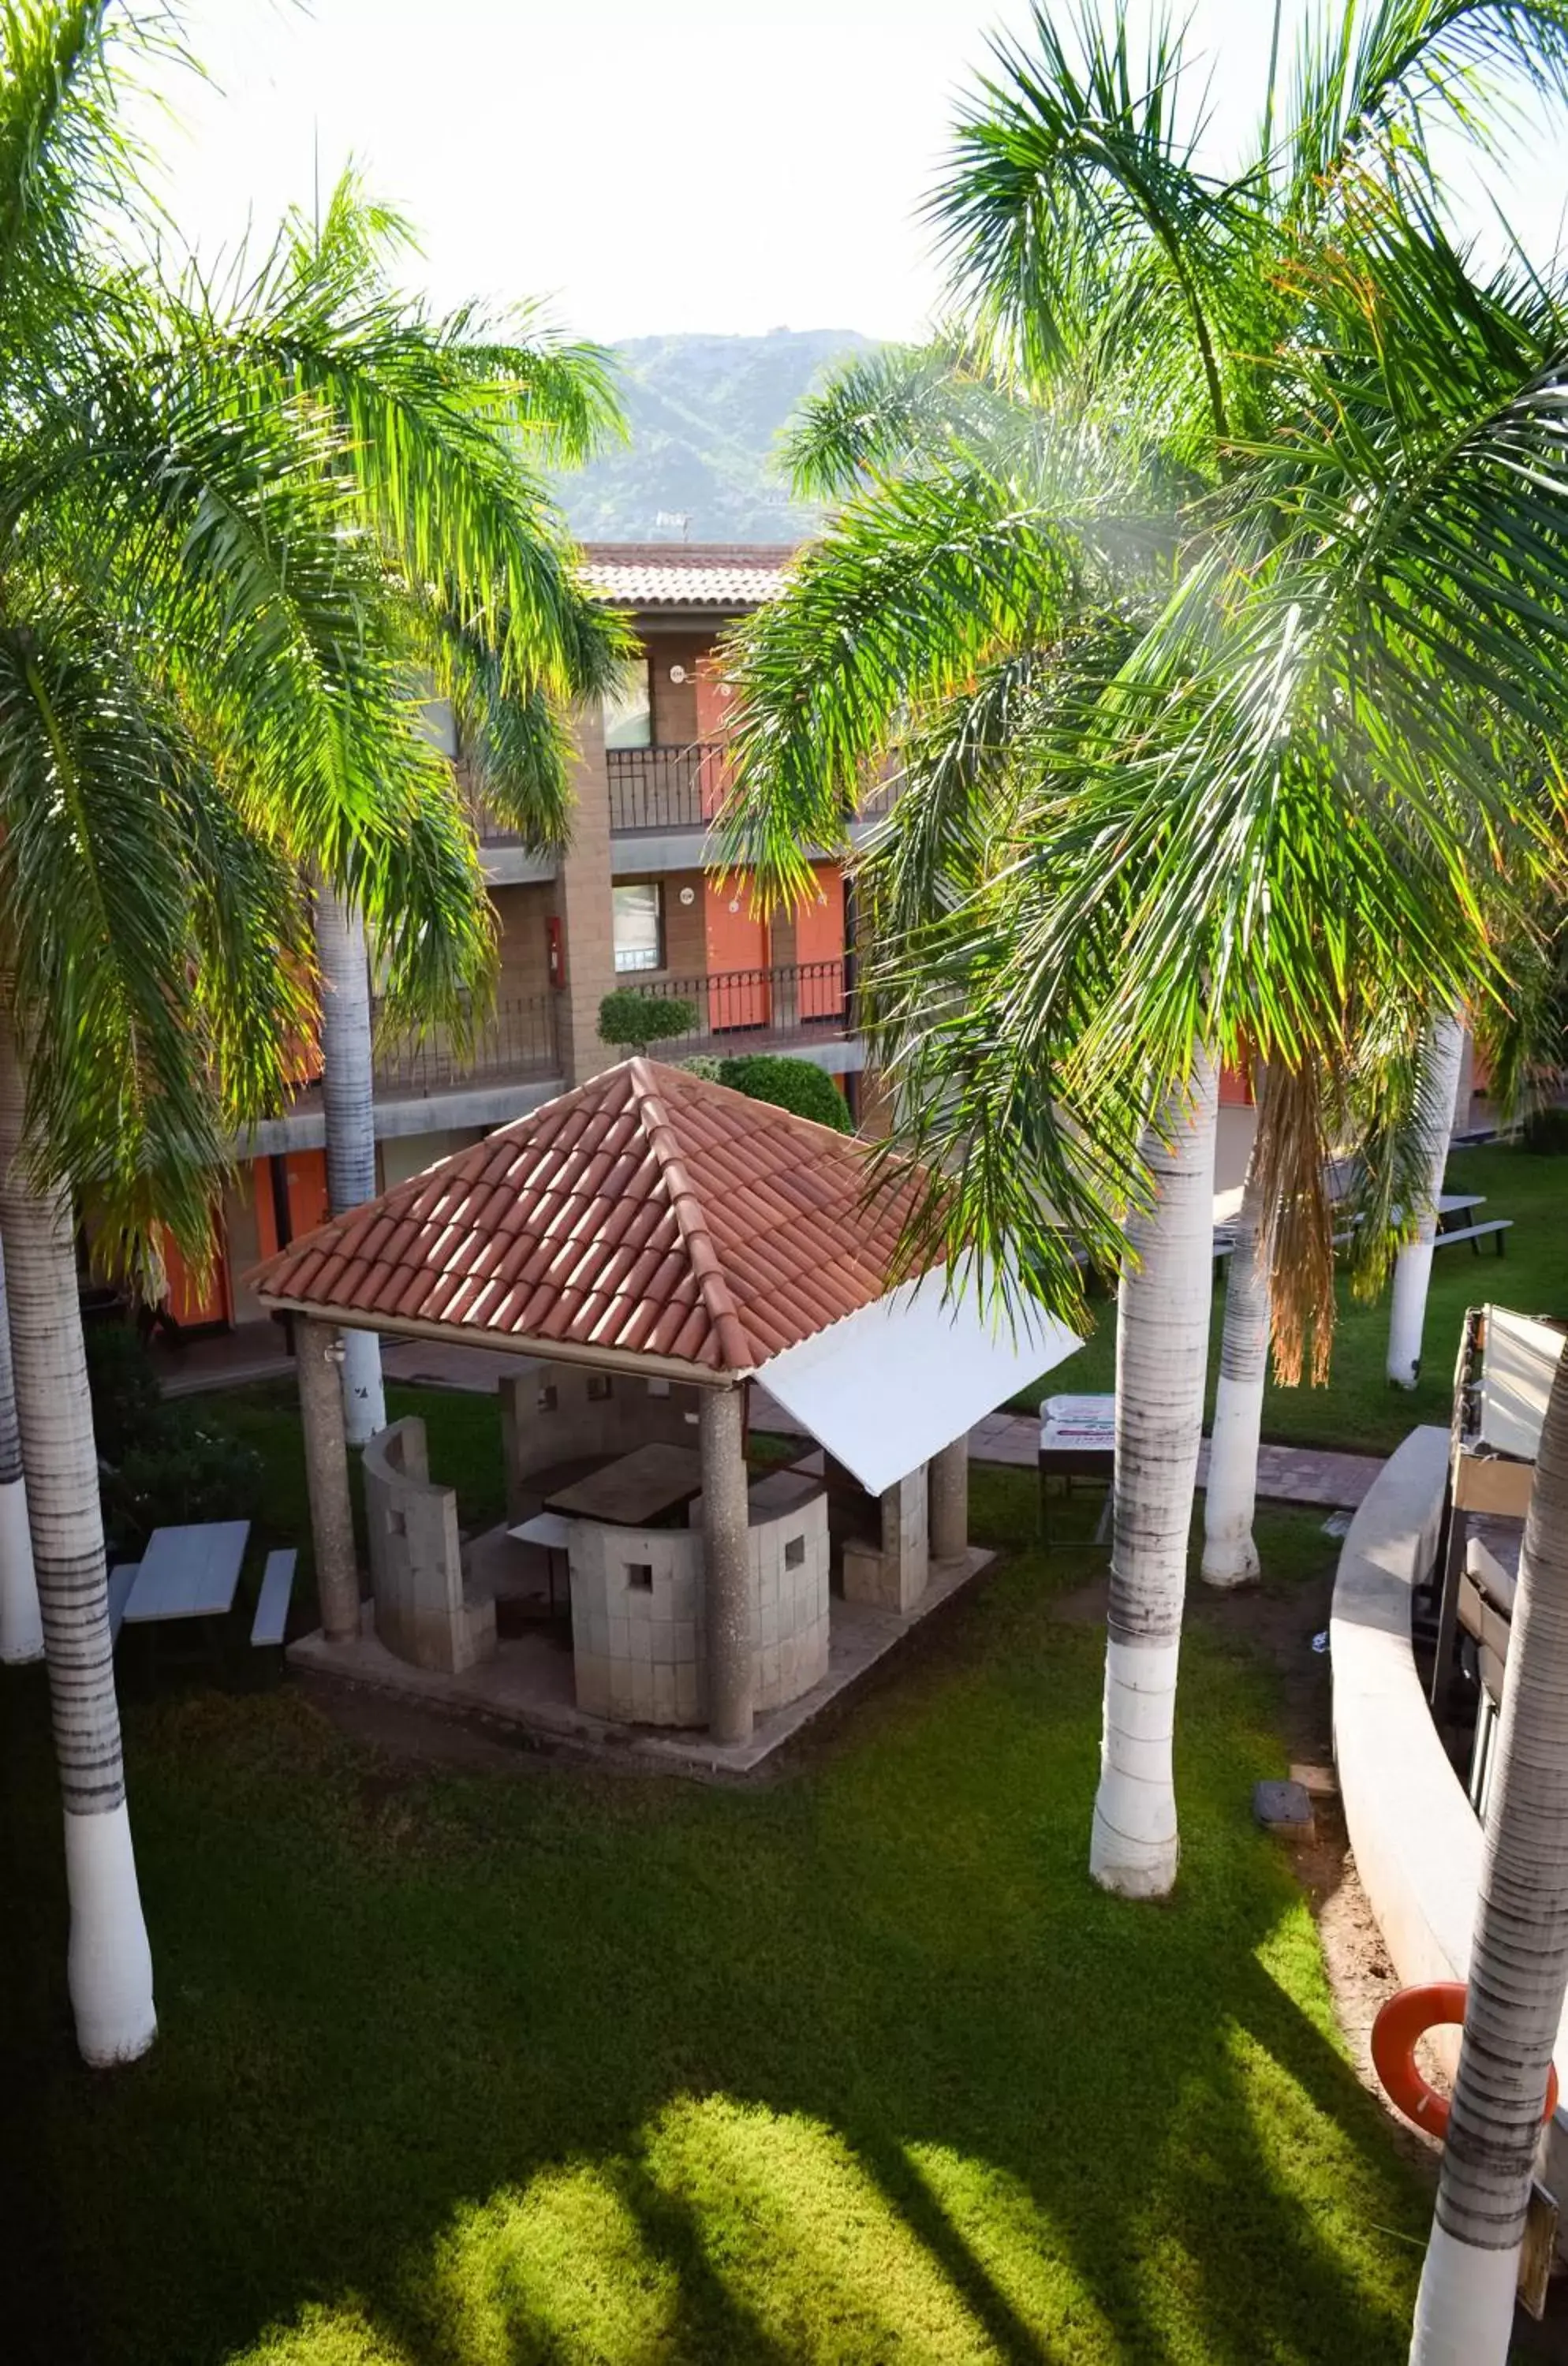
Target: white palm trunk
(1519,1966)
(1413,1268)
(1230,1555)
(348,1092)
(109,1965)
(21,1621)
(1161,1353)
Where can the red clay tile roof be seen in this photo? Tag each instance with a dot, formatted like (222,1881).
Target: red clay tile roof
(647,1212)
(688,574)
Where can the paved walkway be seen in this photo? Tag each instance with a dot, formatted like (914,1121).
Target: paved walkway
(1286,1475)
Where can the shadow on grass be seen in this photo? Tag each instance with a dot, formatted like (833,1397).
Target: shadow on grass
(461,2070)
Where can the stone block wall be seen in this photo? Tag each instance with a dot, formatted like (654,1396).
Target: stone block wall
(892,1570)
(638,1638)
(552,1414)
(416,1577)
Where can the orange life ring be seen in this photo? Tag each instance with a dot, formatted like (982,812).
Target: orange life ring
(1406,2018)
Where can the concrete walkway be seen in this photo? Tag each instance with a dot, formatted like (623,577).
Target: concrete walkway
(1286,1475)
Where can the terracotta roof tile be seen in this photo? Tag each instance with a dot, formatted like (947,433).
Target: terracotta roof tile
(648,1212)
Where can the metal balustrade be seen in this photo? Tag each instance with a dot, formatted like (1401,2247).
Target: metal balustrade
(515,1041)
(666,788)
(754,1009)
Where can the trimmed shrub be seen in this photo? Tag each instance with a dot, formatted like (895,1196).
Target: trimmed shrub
(630,1022)
(796,1085)
(703,1065)
(128,1403)
(1545,1131)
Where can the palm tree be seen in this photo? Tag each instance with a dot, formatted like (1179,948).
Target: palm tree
(1518,1964)
(236,525)
(1206,585)
(1230,1497)
(1412,1266)
(21,1623)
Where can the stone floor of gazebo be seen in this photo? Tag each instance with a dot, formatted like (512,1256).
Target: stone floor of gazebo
(528,1685)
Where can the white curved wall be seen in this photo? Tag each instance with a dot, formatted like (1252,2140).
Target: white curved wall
(1416,1841)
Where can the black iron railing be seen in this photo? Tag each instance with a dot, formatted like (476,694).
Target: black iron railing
(747,1009)
(514,1043)
(666,788)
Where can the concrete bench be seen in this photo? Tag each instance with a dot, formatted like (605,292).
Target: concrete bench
(272,1603)
(1475,1235)
(122,1577)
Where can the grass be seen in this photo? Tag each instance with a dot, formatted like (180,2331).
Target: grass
(486,2069)
(1358,1410)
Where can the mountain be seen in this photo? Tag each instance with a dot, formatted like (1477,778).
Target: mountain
(705,414)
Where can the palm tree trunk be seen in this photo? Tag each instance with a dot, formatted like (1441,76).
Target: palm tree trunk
(1161,1353)
(1229,1556)
(109,1965)
(348,1092)
(1413,1268)
(21,1622)
(1518,1964)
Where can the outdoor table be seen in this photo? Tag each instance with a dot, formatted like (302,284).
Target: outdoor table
(1457,1204)
(191,1572)
(636,1491)
(1077,1440)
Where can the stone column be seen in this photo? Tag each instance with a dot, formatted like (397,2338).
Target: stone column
(950,1501)
(906,1542)
(726,1565)
(326,1472)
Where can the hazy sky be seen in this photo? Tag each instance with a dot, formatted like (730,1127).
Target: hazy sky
(646,164)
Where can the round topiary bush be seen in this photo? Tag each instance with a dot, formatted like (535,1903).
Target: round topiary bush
(797,1084)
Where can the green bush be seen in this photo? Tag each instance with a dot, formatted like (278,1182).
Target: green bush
(1545,1131)
(630,1021)
(797,1084)
(703,1065)
(128,1403)
(185,1473)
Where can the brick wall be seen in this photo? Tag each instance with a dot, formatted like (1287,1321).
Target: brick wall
(580,897)
(524,952)
(675,703)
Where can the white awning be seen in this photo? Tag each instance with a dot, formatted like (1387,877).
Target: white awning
(888,1387)
(1517,1365)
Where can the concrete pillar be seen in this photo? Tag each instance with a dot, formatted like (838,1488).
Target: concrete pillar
(727,1564)
(950,1501)
(326,1472)
(906,1542)
(581,899)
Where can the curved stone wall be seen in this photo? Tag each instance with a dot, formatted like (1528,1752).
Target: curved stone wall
(639,1646)
(1416,1841)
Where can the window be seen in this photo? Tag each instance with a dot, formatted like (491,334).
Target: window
(639,926)
(548,1399)
(640,1576)
(794,1553)
(598,1387)
(629,709)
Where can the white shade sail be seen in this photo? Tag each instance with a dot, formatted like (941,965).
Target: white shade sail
(888,1387)
(1517,1365)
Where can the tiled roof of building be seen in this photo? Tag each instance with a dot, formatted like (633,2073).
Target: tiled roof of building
(688,574)
(648,1212)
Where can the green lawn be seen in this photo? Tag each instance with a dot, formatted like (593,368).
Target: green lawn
(483,2069)
(1357,1409)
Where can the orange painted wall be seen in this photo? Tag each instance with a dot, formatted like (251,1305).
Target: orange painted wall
(819,939)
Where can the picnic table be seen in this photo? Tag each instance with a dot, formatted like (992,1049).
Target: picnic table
(635,1490)
(188,1572)
(1077,1441)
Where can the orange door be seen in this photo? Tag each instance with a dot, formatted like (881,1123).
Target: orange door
(736,936)
(714,696)
(305,1178)
(190,1299)
(820,945)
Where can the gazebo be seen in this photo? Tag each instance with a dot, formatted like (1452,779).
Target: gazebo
(642,1250)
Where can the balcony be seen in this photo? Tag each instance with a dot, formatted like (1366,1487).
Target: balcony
(780,1008)
(666,788)
(513,1044)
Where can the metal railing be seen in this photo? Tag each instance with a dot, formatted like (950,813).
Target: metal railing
(514,1043)
(749,1009)
(666,788)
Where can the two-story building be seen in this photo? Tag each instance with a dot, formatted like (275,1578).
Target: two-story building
(629,903)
